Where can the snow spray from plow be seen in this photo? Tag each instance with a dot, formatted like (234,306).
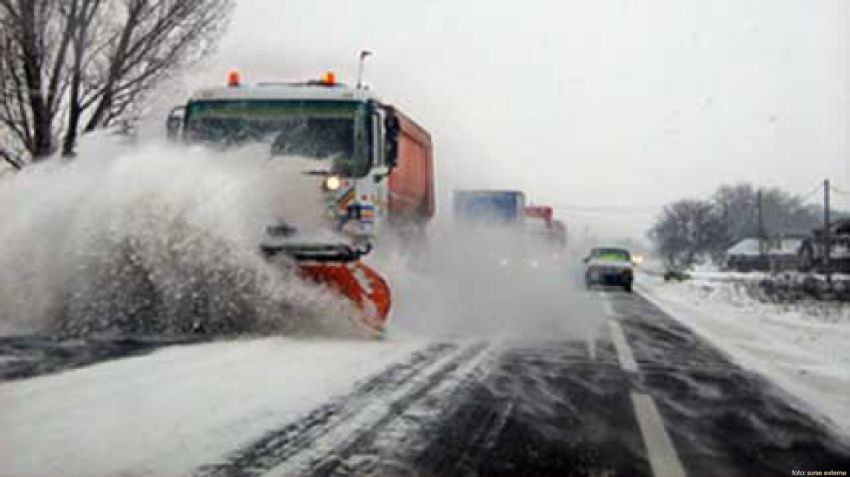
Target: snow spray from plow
(158,240)
(339,266)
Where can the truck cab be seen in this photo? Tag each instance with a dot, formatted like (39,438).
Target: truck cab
(372,163)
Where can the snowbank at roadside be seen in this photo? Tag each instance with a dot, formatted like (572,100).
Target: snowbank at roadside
(804,346)
(173,410)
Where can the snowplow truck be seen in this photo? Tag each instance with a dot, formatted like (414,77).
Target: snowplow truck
(372,166)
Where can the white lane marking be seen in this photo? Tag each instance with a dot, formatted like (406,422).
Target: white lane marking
(624,353)
(609,308)
(662,455)
(591,346)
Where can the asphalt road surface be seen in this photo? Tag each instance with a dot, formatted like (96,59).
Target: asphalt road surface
(647,398)
(643,397)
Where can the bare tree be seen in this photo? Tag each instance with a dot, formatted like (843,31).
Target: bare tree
(685,230)
(153,38)
(72,66)
(35,44)
(82,13)
(782,212)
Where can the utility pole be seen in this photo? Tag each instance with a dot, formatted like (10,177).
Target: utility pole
(827,236)
(761,224)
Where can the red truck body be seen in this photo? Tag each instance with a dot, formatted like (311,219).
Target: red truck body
(411,182)
(555,230)
(541,212)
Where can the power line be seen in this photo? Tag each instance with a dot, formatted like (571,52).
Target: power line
(606,207)
(839,191)
(585,210)
(645,209)
(804,197)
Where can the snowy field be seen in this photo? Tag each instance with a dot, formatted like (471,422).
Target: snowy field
(170,411)
(804,347)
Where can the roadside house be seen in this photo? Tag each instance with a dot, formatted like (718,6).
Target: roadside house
(774,255)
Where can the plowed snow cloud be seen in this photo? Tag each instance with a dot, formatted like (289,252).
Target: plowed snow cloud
(611,108)
(154,239)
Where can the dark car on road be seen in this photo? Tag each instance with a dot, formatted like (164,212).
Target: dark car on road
(609,266)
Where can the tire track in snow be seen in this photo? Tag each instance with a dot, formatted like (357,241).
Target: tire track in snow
(355,453)
(299,436)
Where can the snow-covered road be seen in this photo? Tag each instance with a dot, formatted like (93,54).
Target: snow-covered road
(640,395)
(178,408)
(804,347)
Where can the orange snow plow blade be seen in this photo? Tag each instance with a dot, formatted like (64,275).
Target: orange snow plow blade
(359,283)
(339,267)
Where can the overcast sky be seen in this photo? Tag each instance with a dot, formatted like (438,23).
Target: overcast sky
(618,105)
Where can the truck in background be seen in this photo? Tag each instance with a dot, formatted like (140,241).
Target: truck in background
(531,232)
(541,224)
(373,166)
(501,207)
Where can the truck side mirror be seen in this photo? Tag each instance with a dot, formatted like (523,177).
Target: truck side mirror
(174,123)
(392,127)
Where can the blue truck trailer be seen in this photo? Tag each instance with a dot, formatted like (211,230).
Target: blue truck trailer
(489,206)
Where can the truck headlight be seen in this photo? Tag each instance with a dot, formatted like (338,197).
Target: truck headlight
(332,183)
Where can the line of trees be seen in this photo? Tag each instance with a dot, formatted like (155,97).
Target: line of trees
(72,66)
(687,230)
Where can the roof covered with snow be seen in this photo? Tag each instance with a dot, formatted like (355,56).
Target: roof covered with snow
(750,247)
(746,246)
(285,91)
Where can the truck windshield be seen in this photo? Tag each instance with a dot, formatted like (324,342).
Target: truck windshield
(611,255)
(336,130)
